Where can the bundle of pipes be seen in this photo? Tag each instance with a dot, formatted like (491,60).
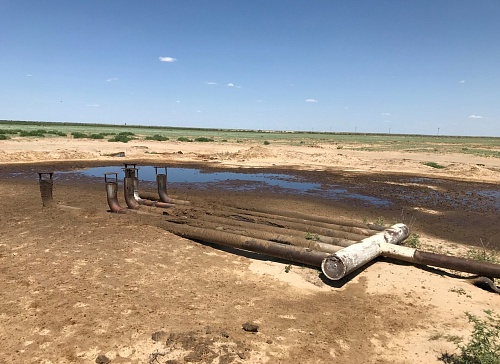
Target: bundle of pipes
(338,246)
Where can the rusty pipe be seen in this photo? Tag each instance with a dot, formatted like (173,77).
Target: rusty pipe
(328,220)
(46,182)
(246,224)
(300,226)
(112,196)
(412,255)
(277,250)
(310,220)
(161,182)
(274,236)
(128,188)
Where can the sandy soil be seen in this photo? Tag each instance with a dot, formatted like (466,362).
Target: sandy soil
(84,285)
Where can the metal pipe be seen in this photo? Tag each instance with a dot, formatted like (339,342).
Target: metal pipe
(328,220)
(161,182)
(310,221)
(274,236)
(128,187)
(231,220)
(277,250)
(340,264)
(112,195)
(274,221)
(45,180)
(411,255)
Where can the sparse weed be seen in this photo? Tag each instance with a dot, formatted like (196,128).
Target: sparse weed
(484,344)
(482,255)
(310,236)
(460,292)
(379,221)
(413,241)
(267,142)
(434,165)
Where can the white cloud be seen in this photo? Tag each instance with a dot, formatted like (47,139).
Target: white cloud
(210,83)
(311,100)
(29,75)
(386,114)
(167,59)
(230,84)
(462,81)
(111,79)
(475,116)
(178,101)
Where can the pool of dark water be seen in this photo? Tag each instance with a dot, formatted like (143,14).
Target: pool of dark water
(240,181)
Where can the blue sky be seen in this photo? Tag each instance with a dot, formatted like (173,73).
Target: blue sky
(366,66)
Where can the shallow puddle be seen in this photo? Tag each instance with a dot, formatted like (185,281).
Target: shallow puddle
(238,181)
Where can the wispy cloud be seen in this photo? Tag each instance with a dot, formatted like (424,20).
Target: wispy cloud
(167,59)
(475,116)
(311,100)
(29,75)
(462,81)
(178,101)
(93,105)
(210,83)
(230,84)
(111,79)
(386,114)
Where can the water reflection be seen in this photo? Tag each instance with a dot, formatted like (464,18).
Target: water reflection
(237,181)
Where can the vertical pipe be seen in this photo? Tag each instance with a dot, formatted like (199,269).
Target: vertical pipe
(112,196)
(46,185)
(128,187)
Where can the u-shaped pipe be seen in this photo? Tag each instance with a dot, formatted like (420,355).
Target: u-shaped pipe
(112,195)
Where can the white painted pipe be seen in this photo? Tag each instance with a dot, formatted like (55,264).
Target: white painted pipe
(347,260)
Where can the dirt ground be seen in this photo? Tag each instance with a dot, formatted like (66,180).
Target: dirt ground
(87,286)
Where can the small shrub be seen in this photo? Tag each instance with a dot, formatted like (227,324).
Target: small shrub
(56,132)
(3,137)
(184,139)
(120,138)
(126,133)
(97,136)
(203,139)
(33,133)
(434,165)
(267,142)
(157,137)
(413,241)
(78,135)
(10,131)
